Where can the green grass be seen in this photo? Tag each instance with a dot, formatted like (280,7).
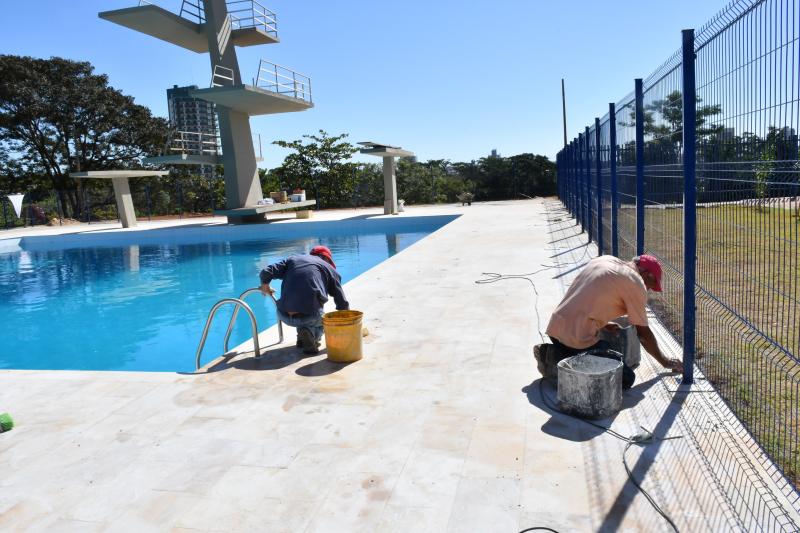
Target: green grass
(748,264)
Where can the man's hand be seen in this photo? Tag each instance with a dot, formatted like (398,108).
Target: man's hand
(266,290)
(676,365)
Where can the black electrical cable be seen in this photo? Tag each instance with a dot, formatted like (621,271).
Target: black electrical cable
(555,409)
(630,441)
(493,277)
(644,492)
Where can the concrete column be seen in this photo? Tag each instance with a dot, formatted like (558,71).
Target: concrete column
(390,187)
(218,31)
(242,187)
(122,193)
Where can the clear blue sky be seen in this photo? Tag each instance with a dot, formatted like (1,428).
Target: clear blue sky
(447,79)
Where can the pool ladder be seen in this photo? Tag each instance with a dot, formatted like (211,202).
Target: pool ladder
(239,303)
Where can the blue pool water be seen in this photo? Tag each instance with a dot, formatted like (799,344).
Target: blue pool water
(139,300)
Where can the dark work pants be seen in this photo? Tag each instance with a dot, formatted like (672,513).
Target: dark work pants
(601,347)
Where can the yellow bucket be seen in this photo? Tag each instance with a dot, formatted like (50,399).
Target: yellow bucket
(343,335)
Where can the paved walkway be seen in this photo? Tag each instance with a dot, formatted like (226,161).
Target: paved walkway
(441,427)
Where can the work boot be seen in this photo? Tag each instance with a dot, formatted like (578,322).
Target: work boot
(546,360)
(307,341)
(540,353)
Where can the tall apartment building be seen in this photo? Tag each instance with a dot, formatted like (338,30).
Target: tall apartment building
(195,123)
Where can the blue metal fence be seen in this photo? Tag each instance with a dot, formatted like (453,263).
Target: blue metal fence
(699,167)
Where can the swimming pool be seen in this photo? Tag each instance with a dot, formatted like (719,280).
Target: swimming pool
(139,300)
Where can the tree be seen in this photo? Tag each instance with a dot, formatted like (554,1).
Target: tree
(319,163)
(57,117)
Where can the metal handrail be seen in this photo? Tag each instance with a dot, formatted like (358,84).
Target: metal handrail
(243,14)
(278,79)
(194,143)
(260,151)
(239,303)
(220,73)
(194,10)
(251,14)
(242,296)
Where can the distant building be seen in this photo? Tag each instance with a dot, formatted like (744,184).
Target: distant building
(727,134)
(494,153)
(195,121)
(788,133)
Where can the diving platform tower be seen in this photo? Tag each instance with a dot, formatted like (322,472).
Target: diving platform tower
(217,27)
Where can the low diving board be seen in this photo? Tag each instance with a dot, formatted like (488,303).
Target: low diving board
(122,191)
(256,212)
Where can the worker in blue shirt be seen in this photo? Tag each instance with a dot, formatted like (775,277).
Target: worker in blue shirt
(308,280)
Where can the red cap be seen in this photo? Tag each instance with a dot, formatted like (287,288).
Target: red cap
(323,252)
(648,263)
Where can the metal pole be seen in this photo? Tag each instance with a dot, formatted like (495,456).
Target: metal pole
(612,159)
(353,197)
(579,163)
(433,187)
(568,165)
(86,205)
(564,110)
(59,209)
(147,193)
(212,193)
(588,176)
(572,180)
(689,206)
(598,170)
(639,166)
(576,174)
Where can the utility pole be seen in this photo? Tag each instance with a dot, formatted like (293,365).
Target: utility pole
(564,110)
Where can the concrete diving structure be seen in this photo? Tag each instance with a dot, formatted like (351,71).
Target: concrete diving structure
(388,153)
(217,27)
(122,190)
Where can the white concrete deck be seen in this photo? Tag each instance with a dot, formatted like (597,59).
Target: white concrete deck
(440,427)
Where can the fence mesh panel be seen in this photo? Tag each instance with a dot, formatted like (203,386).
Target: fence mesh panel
(747,84)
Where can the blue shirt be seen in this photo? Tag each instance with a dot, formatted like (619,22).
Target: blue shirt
(307,282)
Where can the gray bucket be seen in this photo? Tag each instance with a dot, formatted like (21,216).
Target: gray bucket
(590,386)
(626,341)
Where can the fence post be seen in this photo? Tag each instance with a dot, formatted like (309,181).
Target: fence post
(568,165)
(59,209)
(180,198)
(588,163)
(86,206)
(689,205)
(576,201)
(571,169)
(581,196)
(639,166)
(599,176)
(612,160)
(147,192)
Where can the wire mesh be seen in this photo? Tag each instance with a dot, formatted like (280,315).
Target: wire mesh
(604,152)
(748,327)
(591,180)
(626,176)
(663,194)
(748,217)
